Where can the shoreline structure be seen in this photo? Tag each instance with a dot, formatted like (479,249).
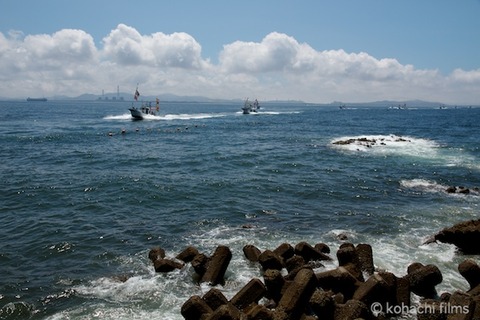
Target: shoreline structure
(292,288)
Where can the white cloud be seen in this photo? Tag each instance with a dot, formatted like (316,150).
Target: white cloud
(126,46)
(278,67)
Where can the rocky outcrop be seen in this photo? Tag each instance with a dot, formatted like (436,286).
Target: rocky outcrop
(465,236)
(293,286)
(463,190)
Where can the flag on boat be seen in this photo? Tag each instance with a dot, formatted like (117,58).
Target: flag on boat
(137,94)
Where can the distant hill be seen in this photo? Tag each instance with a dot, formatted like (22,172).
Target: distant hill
(121,97)
(391,104)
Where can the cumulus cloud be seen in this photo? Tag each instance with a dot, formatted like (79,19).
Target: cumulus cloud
(126,46)
(278,67)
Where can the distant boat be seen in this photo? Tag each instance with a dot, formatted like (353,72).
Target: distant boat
(145,109)
(36,99)
(249,107)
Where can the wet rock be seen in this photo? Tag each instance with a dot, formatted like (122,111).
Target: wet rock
(322,247)
(199,264)
(470,270)
(322,304)
(166,265)
(365,257)
(348,258)
(188,254)
(251,252)
(226,312)
(195,308)
(342,236)
(451,189)
(338,280)
(274,283)
(464,235)
(461,306)
(285,250)
(375,289)
(215,298)
(309,253)
(259,312)
(252,292)
(156,253)
(217,266)
(296,296)
(270,260)
(294,262)
(352,309)
(430,309)
(423,280)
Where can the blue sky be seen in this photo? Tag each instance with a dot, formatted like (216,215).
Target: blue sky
(317,51)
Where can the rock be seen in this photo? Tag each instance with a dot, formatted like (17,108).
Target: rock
(214,298)
(338,280)
(461,306)
(322,304)
(451,189)
(348,258)
(424,279)
(270,260)
(322,247)
(294,262)
(285,251)
(194,308)
(252,292)
(251,252)
(375,289)
(470,270)
(166,265)
(352,309)
(309,253)
(296,296)
(156,253)
(217,266)
(403,292)
(199,264)
(274,283)
(464,235)
(188,254)
(430,309)
(226,312)
(259,312)
(365,257)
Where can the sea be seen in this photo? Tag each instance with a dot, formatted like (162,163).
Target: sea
(86,192)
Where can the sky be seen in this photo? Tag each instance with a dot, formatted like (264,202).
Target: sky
(316,51)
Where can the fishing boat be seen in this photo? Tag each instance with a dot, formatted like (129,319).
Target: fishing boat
(249,107)
(145,109)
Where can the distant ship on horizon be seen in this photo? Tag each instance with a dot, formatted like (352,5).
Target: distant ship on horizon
(36,99)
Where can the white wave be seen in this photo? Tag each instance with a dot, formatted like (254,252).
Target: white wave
(268,113)
(125,116)
(388,144)
(128,116)
(149,295)
(428,186)
(423,185)
(193,116)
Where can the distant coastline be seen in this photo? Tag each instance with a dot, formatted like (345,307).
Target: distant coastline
(37,99)
(391,104)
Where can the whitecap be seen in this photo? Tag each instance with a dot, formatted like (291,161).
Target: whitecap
(388,144)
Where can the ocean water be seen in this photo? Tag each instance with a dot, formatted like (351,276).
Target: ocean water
(82,203)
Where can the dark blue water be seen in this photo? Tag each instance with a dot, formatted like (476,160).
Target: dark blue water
(82,203)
